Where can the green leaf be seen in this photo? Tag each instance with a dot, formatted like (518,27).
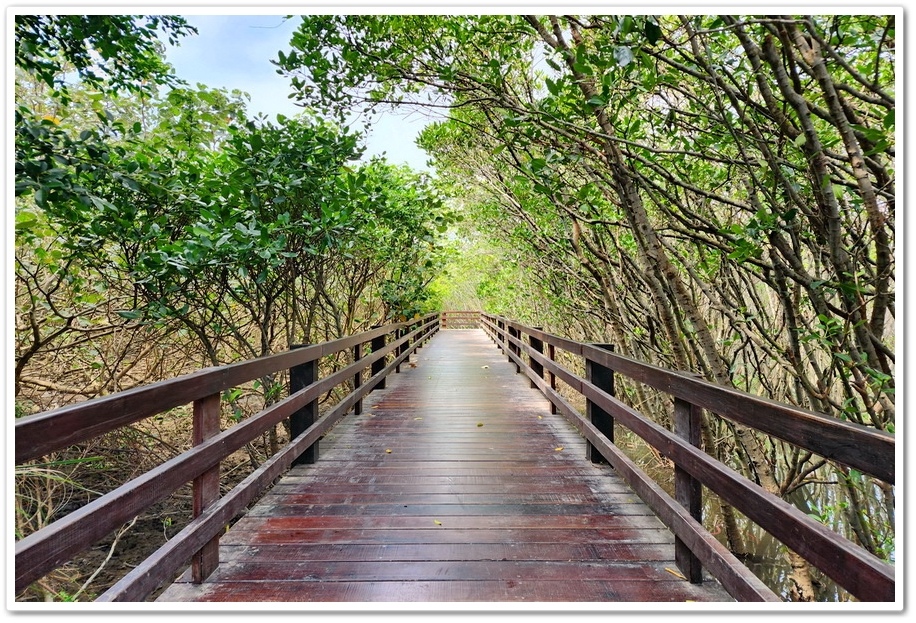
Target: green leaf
(652,32)
(552,86)
(581,63)
(25,221)
(889,120)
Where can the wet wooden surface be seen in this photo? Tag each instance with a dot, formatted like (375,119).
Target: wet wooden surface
(455,484)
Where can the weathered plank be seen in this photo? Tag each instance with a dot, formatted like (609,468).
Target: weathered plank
(454,484)
(511,590)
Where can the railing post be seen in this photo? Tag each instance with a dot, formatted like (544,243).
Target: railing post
(358,377)
(443,320)
(378,343)
(501,334)
(206,486)
(300,377)
(398,334)
(513,332)
(536,366)
(687,490)
(603,378)
(552,355)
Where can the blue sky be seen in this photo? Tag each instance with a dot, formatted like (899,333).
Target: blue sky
(234,52)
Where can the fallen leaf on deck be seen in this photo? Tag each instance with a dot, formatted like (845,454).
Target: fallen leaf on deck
(437,522)
(418,418)
(388,450)
(675,573)
(558,449)
(479,423)
(485,367)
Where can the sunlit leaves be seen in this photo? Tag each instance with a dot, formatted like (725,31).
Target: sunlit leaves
(55,162)
(351,63)
(118,50)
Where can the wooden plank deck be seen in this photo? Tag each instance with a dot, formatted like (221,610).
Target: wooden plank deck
(456,484)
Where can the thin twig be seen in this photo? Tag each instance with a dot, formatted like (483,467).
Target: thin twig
(117,538)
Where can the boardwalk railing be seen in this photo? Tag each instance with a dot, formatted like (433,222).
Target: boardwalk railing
(460,320)
(534,353)
(870,451)
(36,436)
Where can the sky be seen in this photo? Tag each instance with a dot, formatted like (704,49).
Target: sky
(234,52)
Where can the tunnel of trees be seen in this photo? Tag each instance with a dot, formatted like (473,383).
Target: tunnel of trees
(713,193)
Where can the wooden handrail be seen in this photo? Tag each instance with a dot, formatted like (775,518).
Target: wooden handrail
(866,449)
(859,447)
(40,434)
(55,544)
(459,319)
(852,567)
(148,575)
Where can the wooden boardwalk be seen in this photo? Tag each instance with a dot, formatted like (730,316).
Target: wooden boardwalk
(455,484)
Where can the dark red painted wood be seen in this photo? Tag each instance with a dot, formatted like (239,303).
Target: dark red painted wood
(860,447)
(688,491)
(454,484)
(518,589)
(48,548)
(205,489)
(852,567)
(40,434)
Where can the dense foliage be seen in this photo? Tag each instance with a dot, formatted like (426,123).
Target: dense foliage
(174,210)
(709,193)
(160,229)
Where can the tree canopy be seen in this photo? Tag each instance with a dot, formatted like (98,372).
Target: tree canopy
(707,192)
(196,212)
(713,193)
